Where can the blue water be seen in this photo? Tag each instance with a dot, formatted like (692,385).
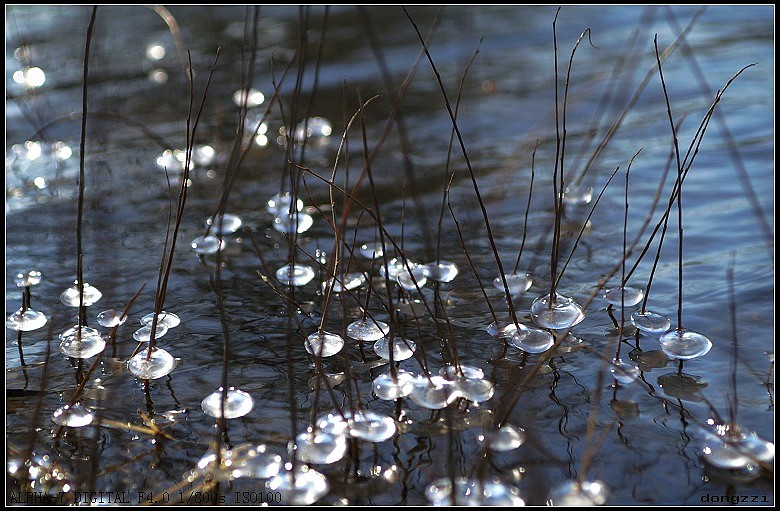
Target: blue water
(647,457)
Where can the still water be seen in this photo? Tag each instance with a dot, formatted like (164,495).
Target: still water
(563,416)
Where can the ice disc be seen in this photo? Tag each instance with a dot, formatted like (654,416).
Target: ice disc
(237,404)
(388,388)
(168,319)
(317,446)
(573,493)
(306,487)
(684,344)
(206,245)
(70,296)
(505,438)
(518,283)
(531,340)
(75,416)
(563,312)
(367,329)
(403,349)
(86,345)
(346,282)
(650,322)
(290,223)
(224,224)
(323,344)
(280,204)
(477,390)
(144,333)
(624,372)
(25,320)
(443,271)
(28,278)
(160,364)
(371,426)
(295,274)
(620,295)
(111,318)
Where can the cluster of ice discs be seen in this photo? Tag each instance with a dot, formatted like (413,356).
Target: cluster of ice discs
(729,447)
(153,362)
(213,241)
(472,492)
(26,319)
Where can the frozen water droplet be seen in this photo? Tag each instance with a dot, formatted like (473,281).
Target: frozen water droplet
(628,295)
(237,404)
(572,493)
(324,344)
(206,245)
(280,204)
(650,322)
(75,416)
(561,313)
(346,282)
(28,278)
(367,329)
(371,250)
(70,296)
(624,372)
(286,223)
(111,318)
(411,280)
(305,488)
(160,364)
(317,446)
(505,438)
(230,224)
(371,426)
(530,339)
(295,274)
(518,283)
(388,388)
(684,344)
(443,271)
(169,319)
(251,97)
(402,348)
(144,333)
(25,320)
(89,343)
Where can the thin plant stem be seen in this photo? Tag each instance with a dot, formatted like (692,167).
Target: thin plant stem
(82,321)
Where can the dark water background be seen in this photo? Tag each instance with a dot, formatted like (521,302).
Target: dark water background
(646,456)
